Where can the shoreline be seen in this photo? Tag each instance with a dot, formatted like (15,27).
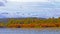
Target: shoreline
(52,28)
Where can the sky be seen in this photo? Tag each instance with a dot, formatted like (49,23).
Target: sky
(34,0)
(28,0)
(29,8)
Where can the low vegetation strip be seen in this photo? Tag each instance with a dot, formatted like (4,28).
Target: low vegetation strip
(32,25)
(29,22)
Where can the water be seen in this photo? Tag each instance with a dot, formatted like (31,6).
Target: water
(27,31)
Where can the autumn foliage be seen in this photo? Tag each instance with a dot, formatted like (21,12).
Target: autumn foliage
(31,23)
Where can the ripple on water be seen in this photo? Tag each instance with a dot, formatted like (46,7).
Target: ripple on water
(28,31)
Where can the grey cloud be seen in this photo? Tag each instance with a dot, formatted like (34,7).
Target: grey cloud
(2,4)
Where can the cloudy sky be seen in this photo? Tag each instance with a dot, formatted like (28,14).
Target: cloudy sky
(33,0)
(29,8)
(28,0)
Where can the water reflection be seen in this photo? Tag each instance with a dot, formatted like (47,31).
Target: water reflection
(28,31)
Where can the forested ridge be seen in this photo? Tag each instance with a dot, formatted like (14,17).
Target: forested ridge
(30,22)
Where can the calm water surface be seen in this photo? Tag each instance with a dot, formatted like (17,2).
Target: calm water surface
(28,31)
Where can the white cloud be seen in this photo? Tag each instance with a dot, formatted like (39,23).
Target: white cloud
(15,0)
(29,0)
(57,0)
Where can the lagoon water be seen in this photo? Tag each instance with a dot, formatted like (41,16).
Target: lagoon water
(27,31)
